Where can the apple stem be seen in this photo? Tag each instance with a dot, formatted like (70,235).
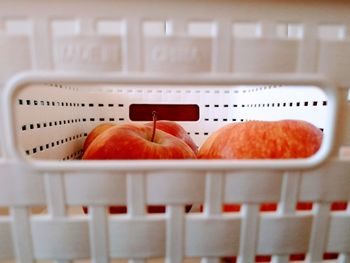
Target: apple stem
(154,116)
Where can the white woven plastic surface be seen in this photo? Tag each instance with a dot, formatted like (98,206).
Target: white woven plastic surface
(90,60)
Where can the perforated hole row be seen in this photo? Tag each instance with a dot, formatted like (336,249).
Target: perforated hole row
(187,91)
(75,155)
(246,89)
(55,143)
(177,91)
(29,102)
(197,91)
(260,88)
(273,104)
(39,125)
(62,86)
(233,120)
(225,119)
(287,104)
(106,119)
(198,133)
(215,119)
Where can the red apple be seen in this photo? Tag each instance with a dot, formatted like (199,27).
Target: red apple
(175,129)
(137,141)
(155,144)
(263,140)
(134,141)
(95,132)
(170,127)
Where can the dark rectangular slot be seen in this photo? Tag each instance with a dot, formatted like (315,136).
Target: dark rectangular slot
(172,112)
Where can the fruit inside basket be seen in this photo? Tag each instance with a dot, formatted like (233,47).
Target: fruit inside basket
(52,121)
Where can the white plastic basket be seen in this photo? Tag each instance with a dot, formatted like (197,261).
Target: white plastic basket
(89,61)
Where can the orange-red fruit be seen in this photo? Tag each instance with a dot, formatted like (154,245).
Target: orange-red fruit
(95,132)
(133,141)
(263,140)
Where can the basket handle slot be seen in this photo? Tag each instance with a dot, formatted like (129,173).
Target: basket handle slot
(173,112)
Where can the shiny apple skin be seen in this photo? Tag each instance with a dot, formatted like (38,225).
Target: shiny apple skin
(285,139)
(133,141)
(96,132)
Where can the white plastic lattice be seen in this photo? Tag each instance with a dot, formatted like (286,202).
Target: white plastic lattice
(234,61)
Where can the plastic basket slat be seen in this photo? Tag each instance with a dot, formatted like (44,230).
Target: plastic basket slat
(293,40)
(98,232)
(6,241)
(223,234)
(95,189)
(137,238)
(339,232)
